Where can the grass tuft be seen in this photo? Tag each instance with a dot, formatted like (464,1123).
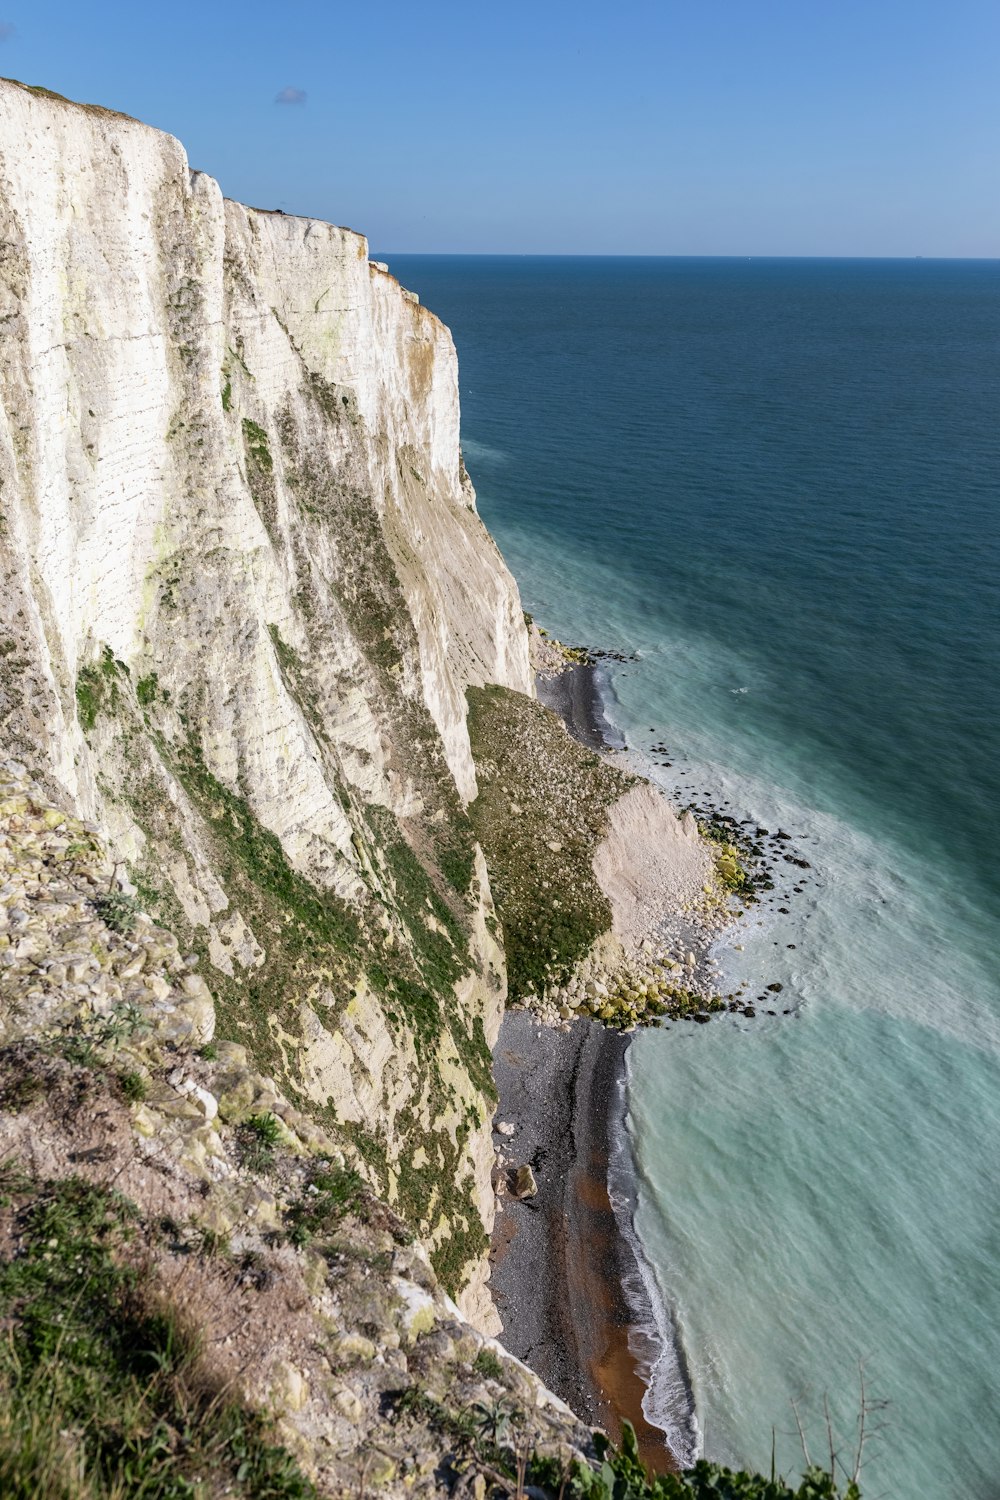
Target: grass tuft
(258,1136)
(133,1086)
(117,910)
(329,1197)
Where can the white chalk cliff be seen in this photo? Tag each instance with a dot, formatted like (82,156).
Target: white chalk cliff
(243,589)
(244,592)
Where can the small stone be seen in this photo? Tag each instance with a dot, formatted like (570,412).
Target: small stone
(416,1313)
(260,1204)
(232,1052)
(290,1389)
(208,1101)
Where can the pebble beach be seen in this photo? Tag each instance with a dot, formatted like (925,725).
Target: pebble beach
(565,1271)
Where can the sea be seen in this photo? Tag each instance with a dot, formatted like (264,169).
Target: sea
(773,486)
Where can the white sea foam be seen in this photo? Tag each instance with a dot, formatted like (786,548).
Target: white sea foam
(482,452)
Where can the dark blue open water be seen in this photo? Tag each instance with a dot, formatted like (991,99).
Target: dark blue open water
(779,482)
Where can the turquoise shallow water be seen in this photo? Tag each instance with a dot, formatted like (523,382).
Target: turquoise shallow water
(778,482)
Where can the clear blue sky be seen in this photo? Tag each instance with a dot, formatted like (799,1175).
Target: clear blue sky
(717,127)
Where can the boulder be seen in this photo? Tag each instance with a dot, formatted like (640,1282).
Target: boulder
(524,1184)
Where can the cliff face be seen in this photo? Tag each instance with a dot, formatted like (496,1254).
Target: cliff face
(243,591)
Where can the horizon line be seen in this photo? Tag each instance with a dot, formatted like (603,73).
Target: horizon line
(661,255)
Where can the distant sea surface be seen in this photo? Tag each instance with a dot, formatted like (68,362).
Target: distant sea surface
(778,483)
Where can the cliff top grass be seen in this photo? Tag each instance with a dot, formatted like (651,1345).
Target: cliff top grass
(540,814)
(91,109)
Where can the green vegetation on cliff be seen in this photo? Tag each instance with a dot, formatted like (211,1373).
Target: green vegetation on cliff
(622,1476)
(97,687)
(403,941)
(540,814)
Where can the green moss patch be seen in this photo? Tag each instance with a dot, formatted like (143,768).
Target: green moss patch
(308,934)
(440,946)
(252,854)
(443,1186)
(255,440)
(738,859)
(260,474)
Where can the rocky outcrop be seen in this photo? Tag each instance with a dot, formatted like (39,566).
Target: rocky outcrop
(243,591)
(599,883)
